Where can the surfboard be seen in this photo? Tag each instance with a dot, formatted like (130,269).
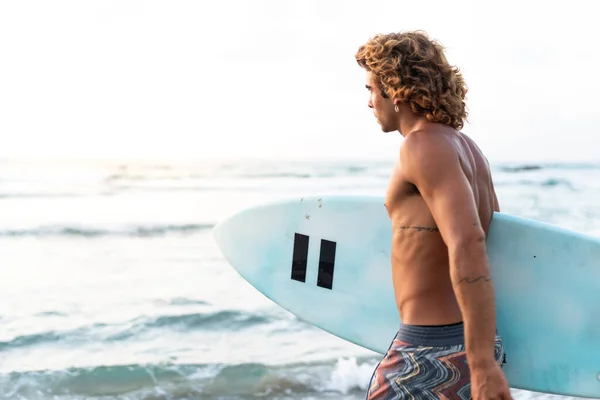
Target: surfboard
(327,260)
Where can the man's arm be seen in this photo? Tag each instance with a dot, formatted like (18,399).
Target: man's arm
(432,164)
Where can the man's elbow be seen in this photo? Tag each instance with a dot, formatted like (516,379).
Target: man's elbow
(468,259)
(468,245)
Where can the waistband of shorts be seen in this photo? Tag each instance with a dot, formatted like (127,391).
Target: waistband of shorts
(446,335)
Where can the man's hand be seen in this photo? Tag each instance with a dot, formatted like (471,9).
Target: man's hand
(488,383)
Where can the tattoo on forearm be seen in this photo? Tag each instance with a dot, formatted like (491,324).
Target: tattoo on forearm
(419,228)
(484,278)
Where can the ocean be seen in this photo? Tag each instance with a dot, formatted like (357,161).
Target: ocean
(111,286)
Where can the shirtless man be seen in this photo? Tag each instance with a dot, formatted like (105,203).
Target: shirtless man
(440,201)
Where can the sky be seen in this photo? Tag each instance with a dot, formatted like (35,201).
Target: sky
(277,79)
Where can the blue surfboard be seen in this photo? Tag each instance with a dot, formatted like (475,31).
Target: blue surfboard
(327,260)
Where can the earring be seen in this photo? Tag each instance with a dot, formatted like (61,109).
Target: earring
(396,108)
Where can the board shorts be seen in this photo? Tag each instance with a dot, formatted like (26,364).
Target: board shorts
(426,362)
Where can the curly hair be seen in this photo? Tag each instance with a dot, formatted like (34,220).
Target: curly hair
(413,69)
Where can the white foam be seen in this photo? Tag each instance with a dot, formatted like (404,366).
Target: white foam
(348,375)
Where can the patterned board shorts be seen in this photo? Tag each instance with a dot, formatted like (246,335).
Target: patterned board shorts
(426,363)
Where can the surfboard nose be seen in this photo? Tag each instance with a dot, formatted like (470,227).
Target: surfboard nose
(219,233)
(228,234)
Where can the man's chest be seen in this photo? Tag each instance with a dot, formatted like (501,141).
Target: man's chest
(399,190)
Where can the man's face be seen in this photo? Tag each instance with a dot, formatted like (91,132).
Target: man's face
(383,108)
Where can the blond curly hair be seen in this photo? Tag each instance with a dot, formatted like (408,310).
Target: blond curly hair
(412,68)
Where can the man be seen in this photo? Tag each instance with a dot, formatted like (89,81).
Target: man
(440,201)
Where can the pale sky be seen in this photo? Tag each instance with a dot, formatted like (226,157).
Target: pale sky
(204,79)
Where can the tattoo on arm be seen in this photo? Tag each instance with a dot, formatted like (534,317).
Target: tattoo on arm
(419,228)
(483,278)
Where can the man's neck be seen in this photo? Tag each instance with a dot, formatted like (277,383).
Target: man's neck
(409,122)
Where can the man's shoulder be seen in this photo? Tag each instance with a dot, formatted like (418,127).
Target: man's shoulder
(427,147)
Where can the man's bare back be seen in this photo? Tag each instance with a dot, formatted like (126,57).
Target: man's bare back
(420,264)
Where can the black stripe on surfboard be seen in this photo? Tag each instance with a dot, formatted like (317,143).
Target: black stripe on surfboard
(326,261)
(326,264)
(300,257)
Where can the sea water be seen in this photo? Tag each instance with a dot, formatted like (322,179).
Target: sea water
(111,286)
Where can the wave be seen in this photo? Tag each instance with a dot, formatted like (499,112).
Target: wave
(517,168)
(193,321)
(182,301)
(544,183)
(521,168)
(92,232)
(222,319)
(193,381)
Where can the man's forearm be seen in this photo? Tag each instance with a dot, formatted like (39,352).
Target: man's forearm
(472,282)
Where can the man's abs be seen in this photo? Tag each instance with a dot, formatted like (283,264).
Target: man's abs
(421,277)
